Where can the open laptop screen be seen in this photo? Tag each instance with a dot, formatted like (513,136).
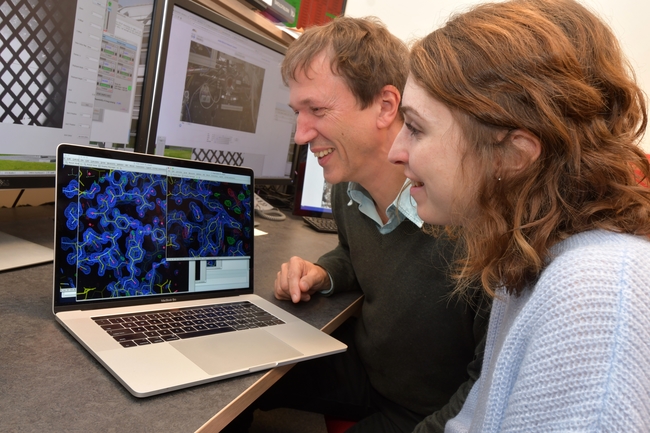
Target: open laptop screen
(132,226)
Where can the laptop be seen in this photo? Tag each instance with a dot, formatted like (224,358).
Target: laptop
(141,243)
(313,197)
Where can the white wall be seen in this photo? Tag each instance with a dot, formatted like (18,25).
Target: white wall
(409,19)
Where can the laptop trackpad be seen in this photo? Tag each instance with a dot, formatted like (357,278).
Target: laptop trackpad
(235,351)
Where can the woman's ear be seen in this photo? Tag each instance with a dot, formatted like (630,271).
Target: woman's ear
(522,149)
(389,100)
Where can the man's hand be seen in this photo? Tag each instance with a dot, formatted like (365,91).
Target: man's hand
(298,279)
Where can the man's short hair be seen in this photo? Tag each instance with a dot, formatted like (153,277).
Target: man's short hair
(361,50)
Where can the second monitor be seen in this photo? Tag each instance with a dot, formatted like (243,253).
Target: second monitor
(219,94)
(313,197)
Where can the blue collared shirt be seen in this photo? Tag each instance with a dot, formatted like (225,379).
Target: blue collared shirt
(403,207)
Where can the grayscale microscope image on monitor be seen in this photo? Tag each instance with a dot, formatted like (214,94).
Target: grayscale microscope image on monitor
(221,90)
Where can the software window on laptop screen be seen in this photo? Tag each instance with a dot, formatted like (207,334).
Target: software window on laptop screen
(136,228)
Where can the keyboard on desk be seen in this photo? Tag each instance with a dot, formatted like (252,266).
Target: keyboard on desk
(327,225)
(166,325)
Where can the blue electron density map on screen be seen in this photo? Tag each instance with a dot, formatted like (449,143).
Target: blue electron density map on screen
(134,234)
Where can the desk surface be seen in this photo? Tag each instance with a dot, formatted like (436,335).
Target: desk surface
(49,383)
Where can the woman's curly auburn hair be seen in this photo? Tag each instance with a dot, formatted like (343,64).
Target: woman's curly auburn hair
(554,69)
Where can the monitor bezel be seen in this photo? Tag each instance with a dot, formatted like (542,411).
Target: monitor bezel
(27,180)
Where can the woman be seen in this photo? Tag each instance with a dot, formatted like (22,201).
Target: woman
(522,121)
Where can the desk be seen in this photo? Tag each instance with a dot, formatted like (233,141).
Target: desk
(49,383)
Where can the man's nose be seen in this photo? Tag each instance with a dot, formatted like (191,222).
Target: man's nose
(305,131)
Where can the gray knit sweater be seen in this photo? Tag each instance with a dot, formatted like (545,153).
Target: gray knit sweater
(571,354)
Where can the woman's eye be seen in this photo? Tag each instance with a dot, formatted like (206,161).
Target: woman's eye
(411,129)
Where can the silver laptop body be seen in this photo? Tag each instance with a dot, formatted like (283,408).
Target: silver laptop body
(139,239)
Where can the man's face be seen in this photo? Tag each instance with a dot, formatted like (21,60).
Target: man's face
(340,134)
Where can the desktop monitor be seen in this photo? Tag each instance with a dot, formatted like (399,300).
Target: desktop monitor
(313,195)
(68,77)
(218,95)
(70,71)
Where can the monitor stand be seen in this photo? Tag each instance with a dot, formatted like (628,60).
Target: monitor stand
(17,253)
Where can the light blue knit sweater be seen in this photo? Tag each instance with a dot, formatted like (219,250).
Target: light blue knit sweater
(573,354)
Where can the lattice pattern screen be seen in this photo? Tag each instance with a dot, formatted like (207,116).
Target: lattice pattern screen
(218,156)
(35,47)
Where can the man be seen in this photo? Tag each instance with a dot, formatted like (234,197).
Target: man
(411,357)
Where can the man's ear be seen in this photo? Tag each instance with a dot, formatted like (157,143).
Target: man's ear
(388,100)
(522,149)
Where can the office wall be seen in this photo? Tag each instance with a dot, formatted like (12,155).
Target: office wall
(409,19)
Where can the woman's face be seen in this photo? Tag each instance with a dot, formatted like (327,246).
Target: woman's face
(431,148)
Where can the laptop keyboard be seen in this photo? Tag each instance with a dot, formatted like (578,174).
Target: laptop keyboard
(140,329)
(327,225)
